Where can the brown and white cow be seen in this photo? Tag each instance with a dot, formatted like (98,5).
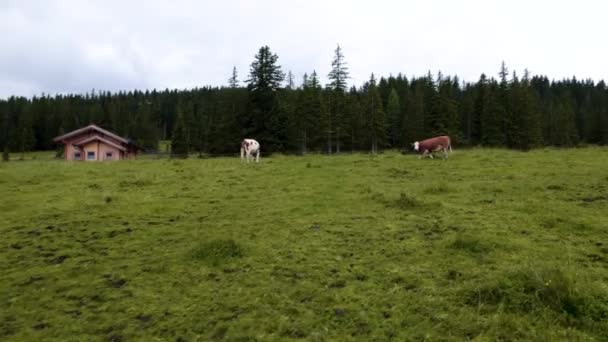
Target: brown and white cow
(249,147)
(428,146)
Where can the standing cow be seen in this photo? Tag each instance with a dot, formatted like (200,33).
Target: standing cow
(428,146)
(250,147)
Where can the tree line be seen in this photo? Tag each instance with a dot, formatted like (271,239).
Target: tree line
(286,115)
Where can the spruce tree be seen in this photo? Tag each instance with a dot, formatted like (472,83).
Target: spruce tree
(338,77)
(376,123)
(530,115)
(515,115)
(414,115)
(492,133)
(290,81)
(434,121)
(60,149)
(393,111)
(356,119)
(264,119)
(466,112)
(26,140)
(306,122)
(481,90)
(179,138)
(233,81)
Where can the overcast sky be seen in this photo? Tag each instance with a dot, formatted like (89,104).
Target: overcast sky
(75,46)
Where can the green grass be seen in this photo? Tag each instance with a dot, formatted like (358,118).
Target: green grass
(489,245)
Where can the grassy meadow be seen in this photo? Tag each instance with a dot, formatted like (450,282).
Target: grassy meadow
(488,245)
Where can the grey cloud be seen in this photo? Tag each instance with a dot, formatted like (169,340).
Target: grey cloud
(75,46)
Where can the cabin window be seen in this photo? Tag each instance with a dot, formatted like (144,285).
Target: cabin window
(91,155)
(76,155)
(108,155)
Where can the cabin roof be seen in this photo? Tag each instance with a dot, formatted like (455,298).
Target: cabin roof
(96,128)
(86,140)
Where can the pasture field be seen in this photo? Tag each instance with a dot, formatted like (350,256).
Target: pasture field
(489,245)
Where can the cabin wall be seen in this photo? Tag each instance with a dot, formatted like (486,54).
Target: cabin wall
(69,152)
(93,146)
(105,149)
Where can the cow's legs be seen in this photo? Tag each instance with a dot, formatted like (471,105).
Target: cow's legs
(257,156)
(445,152)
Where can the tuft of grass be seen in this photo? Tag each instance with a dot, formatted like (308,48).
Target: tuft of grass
(533,290)
(217,251)
(557,187)
(136,183)
(406,202)
(440,188)
(398,172)
(470,245)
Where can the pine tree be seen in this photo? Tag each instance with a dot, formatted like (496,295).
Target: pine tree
(505,114)
(265,74)
(339,72)
(60,149)
(233,81)
(566,133)
(26,140)
(179,138)
(376,124)
(338,77)
(306,122)
(514,116)
(480,102)
(448,109)
(413,120)
(393,111)
(434,122)
(290,81)
(356,119)
(264,119)
(466,112)
(531,135)
(492,133)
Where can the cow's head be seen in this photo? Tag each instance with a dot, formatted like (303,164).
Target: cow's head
(416,146)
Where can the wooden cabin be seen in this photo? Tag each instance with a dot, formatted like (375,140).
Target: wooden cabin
(93,143)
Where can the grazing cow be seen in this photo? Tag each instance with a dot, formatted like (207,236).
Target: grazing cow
(431,145)
(249,147)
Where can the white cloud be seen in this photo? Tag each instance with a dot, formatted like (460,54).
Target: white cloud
(75,46)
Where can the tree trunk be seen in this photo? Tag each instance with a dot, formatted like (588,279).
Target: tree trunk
(338,140)
(329,136)
(303,143)
(5,155)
